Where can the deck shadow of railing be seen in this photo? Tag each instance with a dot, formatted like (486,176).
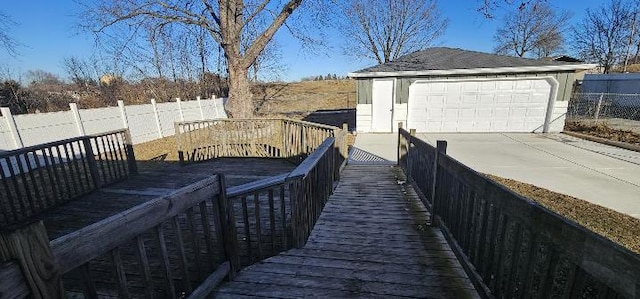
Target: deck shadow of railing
(509,245)
(181,244)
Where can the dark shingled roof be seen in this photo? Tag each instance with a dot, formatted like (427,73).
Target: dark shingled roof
(449,58)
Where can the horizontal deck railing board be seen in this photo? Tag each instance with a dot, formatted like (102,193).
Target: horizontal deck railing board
(512,245)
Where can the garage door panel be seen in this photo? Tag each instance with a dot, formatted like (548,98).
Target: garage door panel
(521,98)
(534,112)
(450,113)
(505,85)
(523,84)
(505,105)
(467,113)
(499,112)
(502,99)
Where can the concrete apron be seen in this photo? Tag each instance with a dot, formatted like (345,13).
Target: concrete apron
(604,175)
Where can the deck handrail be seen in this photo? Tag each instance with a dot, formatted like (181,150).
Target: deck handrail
(37,178)
(509,244)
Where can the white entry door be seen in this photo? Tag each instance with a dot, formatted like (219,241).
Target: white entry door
(382,105)
(496,105)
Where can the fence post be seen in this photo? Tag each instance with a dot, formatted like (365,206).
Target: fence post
(76,118)
(131,157)
(29,247)
(226,227)
(200,106)
(179,102)
(156,115)
(598,107)
(215,106)
(441,149)
(123,114)
(13,129)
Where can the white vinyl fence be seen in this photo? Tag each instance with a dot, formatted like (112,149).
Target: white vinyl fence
(145,122)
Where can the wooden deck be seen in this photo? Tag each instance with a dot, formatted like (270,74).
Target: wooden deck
(373,240)
(154,179)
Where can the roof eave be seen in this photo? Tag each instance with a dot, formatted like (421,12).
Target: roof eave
(497,70)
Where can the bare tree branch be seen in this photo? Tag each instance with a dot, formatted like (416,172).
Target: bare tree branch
(537,28)
(6,41)
(603,33)
(383,30)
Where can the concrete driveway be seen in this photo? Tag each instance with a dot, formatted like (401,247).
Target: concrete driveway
(604,175)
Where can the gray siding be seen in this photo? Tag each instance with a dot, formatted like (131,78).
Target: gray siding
(565,80)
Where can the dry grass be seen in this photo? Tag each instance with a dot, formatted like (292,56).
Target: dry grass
(603,130)
(617,227)
(298,99)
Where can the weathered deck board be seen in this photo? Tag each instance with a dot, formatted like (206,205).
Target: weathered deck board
(371,241)
(154,179)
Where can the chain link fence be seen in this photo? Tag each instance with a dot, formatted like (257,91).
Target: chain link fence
(620,111)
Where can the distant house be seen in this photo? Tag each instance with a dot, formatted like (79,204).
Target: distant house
(455,90)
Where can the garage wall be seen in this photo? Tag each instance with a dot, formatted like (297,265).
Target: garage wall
(565,80)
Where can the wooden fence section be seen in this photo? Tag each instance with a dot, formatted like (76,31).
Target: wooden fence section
(264,138)
(37,178)
(178,245)
(512,246)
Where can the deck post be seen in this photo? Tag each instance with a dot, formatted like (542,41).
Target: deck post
(412,132)
(29,247)
(226,227)
(398,144)
(441,149)
(131,157)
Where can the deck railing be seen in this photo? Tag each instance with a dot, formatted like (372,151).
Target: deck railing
(510,245)
(178,245)
(264,138)
(37,178)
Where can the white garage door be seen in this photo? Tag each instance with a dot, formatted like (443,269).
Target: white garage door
(497,105)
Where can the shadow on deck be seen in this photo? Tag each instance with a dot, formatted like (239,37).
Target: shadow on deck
(372,240)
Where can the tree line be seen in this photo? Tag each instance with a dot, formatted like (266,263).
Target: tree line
(41,91)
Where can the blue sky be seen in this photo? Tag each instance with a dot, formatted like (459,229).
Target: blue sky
(48,31)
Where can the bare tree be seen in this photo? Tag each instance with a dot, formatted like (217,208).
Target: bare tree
(383,30)
(80,72)
(224,20)
(602,35)
(535,28)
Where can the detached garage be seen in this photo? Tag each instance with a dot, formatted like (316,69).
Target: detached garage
(454,90)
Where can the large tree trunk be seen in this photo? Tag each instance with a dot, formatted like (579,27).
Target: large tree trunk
(240,102)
